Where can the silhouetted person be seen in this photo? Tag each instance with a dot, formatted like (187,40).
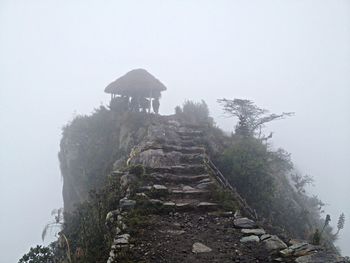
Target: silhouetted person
(125,103)
(144,104)
(134,104)
(155,105)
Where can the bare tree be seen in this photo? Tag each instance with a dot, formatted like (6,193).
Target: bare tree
(57,224)
(251,118)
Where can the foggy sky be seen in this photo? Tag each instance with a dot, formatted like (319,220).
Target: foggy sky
(56,57)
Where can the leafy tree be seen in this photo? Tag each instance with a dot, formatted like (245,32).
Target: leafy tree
(251,118)
(38,254)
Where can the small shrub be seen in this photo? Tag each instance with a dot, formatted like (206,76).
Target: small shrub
(194,112)
(316,238)
(224,198)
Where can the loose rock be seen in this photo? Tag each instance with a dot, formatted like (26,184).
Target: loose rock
(257,231)
(251,238)
(244,222)
(320,257)
(274,243)
(299,249)
(200,248)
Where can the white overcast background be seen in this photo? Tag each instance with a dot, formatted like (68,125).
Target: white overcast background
(56,57)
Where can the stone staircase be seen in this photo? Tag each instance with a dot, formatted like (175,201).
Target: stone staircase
(180,178)
(177,167)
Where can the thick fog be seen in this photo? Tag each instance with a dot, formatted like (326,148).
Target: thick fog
(56,57)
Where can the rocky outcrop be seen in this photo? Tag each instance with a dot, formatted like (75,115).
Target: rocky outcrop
(89,152)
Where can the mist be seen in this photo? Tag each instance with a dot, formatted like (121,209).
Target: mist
(58,56)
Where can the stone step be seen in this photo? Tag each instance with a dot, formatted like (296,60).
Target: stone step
(191,204)
(192,126)
(183,149)
(208,206)
(185,143)
(159,158)
(189,137)
(191,133)
(153,191)
(179,169)
(174,148)
(182,190)
(183,205)
(205,185)
(180,179)
(193,159)
(188,192)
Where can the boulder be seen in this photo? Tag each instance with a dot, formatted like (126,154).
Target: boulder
(298,249)
(200,248)
(256,231)
(265,236)
(274,243)
(244,222)
(320,257)
(251,238)
(111,215)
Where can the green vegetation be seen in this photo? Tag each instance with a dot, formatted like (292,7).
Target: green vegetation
(267,178)
(39,254)
(194,113)
(246,165)
(85,227)
(224,198)
(341,223)
(316,239)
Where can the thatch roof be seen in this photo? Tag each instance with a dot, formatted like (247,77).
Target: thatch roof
(136,82)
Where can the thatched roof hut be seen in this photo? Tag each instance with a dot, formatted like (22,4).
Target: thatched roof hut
(137,82)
